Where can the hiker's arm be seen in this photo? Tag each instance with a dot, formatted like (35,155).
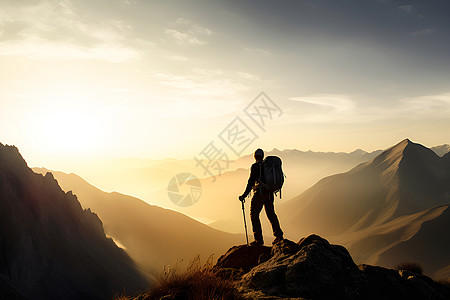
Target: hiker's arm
(251,181)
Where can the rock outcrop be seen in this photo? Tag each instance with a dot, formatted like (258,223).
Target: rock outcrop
(315,269)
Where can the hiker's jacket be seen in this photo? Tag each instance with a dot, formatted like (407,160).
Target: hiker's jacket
(256,179)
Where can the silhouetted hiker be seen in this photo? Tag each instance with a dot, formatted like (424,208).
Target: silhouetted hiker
(261,197)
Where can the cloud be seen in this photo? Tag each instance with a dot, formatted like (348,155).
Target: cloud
(248,76)
(194,27)
(182,21)
(407,8)
(432,106)
(177,57)
(209,72)
(195,97)
(57,51)
(185,38)
(200,85)
(188,32)
(202,30)
(55,30)
(337,103)
(423,32)
(325,108)
(330,108)
(258,51)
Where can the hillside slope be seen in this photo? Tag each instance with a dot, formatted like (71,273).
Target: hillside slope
(428,246)
(154,237)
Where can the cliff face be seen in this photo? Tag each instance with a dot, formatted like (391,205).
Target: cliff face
(49,246)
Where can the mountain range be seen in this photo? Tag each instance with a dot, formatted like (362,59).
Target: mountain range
(147,179)
(382,210)
(303,169)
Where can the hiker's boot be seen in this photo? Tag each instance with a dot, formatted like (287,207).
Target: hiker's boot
(277,240)
(256,243)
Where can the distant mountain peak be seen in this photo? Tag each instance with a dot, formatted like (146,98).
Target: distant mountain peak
(405,157)
(404,148)
(404,143)
(446,156)
(441,150)
(391,156)
(276,151)
(358,152)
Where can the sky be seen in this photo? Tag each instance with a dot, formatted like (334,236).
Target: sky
(93,79)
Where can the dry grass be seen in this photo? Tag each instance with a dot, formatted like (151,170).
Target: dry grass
(444,282)
(197,282)
(411,266)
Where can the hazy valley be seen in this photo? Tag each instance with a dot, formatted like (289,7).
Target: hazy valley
(385,200)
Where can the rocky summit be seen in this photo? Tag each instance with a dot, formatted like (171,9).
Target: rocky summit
(315,269)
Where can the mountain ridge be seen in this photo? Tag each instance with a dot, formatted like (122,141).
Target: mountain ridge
(50,247)
(404,180)
(382,172)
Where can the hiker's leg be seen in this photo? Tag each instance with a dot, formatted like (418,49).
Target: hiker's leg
(255,208)
(270,212)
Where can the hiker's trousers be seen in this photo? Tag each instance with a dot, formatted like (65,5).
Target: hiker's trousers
(264,199)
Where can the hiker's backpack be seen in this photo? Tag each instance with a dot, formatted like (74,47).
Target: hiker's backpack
(273,174)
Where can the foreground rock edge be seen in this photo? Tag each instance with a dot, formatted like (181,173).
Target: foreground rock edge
(315,269)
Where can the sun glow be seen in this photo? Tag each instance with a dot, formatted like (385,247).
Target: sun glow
(73,126)
(71,131)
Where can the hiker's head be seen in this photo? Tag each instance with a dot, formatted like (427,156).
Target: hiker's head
(259,154)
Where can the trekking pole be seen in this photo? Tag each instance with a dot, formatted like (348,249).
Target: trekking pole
(245,224)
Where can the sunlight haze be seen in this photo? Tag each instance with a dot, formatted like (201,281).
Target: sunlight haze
(224,149)
(86,80)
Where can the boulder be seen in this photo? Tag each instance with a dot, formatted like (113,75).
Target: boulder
(243,257)
(308,269)
(315,269)
(382,282)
